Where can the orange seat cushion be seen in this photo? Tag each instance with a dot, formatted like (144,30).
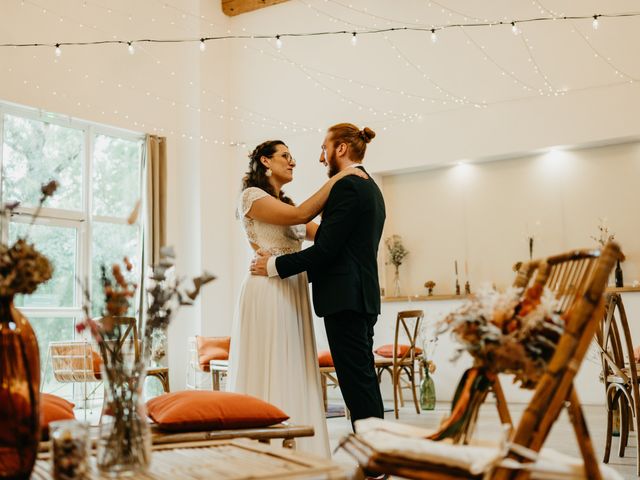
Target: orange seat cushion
(53,408)
(212,348)
(197,410)
(387,350)
(324,359)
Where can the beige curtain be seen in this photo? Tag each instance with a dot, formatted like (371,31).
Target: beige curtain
(156,204)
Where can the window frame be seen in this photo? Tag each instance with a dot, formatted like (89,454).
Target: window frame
(82,220)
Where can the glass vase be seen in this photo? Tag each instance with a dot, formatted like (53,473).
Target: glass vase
(124,438)
(19,393)
(427,392)
(396,282)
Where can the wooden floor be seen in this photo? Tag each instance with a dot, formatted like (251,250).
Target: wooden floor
(561,438)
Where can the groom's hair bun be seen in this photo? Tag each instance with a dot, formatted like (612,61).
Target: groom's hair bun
(355,138)
(368,134)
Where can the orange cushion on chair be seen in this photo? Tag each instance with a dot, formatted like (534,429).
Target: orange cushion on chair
(53,408)
(387,350)
(212,348)
(96,359)
(196,410)
(324,359)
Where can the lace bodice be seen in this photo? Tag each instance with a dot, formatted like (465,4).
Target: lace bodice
(276,239)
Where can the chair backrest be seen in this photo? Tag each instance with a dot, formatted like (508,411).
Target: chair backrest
(127,341)
(581,318)
(615,345)
(566,275)
(74,361)
(407,321)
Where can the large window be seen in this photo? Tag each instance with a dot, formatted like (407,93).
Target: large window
(84,225)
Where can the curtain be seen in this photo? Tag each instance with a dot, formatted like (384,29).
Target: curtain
(156,198)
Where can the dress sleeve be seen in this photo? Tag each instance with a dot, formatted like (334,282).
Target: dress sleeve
(247,198)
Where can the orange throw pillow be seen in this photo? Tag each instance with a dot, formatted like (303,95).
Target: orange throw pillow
(387,350)
(53,408)
(324,359)
(197,410)
(212,348)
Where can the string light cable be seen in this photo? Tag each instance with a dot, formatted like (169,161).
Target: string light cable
(283,35)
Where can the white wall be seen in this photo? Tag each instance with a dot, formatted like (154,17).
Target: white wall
(481,214)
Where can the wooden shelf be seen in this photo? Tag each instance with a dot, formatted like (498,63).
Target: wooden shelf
(623,289)
(424,298)
(430,298)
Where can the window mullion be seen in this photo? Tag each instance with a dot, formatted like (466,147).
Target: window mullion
(4,236)
(85,236)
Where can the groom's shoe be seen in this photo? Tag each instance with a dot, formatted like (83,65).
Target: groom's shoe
(375,475)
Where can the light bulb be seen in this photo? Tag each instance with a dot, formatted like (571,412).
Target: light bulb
(434,36)
(595,22)
(278,42)
(131,49)
(514,28)
(58,50)
(203,45)
(354,39)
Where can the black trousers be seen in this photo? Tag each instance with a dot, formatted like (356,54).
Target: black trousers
(350,336)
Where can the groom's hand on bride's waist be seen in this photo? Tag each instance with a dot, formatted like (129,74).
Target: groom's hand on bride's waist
(259,263)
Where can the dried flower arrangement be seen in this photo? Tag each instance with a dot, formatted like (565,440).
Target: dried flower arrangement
(430,285)
(506,332)
(397,251)
(22,267)
(126,444)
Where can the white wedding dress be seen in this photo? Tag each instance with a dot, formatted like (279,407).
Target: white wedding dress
(273,351)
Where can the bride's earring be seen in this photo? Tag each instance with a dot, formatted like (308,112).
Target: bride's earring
(268,173)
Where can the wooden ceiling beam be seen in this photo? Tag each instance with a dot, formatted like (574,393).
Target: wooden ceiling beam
(232,8)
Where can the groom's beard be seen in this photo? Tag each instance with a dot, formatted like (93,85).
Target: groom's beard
(332,165)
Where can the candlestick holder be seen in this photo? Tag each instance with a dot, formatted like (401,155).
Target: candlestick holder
(467,288)
(457,287)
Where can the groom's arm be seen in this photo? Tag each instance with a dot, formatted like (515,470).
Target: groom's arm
(337,225)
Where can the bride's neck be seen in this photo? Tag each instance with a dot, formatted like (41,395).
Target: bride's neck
(276,187)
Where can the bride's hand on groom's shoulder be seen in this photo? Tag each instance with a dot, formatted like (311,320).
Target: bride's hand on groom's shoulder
(259,263)
(358,172)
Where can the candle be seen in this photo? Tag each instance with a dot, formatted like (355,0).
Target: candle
(455,263)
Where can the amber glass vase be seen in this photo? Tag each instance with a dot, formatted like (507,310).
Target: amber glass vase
(19,393)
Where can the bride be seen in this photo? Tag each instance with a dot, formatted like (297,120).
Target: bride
(273,352)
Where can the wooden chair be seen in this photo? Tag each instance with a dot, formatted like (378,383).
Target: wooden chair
(619,374)
(129,346)
(554,390)
(565,275)
(75,362)
(404,357)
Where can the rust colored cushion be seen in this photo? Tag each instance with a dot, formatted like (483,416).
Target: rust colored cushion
(96,359)
(212,348)
(196,410)
(324,359)
(636,354)
(53,408)
(387,350)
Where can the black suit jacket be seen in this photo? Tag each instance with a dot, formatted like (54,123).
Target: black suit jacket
(342,263)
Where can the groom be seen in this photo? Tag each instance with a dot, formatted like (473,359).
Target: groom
(343,269)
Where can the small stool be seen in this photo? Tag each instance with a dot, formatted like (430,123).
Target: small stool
(218,370)
(162,374)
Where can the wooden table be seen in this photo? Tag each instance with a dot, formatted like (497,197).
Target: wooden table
(227,460)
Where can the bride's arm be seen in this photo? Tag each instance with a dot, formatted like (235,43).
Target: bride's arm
(312,228)
(271,210)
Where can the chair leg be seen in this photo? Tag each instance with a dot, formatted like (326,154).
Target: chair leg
(624,424)
(582,436)
(396,386)
(609,434)
(413,390)
(501,403)
(323,382)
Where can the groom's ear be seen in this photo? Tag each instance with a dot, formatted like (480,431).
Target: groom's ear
(342,149)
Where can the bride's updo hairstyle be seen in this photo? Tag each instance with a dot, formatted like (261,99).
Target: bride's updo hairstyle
(256,176)
(355,138)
